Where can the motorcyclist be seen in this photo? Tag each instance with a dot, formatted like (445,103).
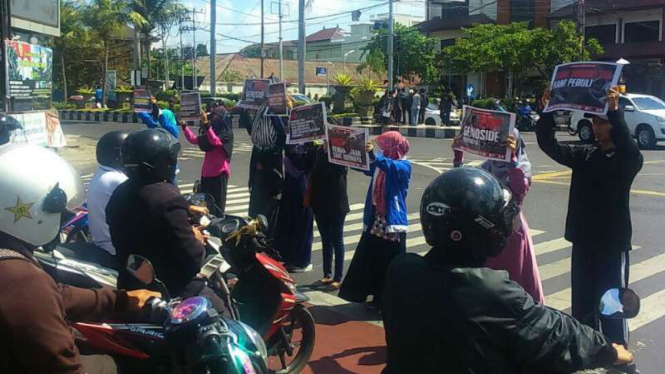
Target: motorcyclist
(525,109)
(446,305)
(147,215)
(107,178)
(37,186)
(7,125)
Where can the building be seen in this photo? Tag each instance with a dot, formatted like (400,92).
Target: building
(401,18)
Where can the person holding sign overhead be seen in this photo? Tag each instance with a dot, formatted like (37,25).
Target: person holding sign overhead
(385,221)
(598,222)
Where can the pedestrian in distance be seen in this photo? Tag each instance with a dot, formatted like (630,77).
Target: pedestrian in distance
(409,104)
(446,106)
(518,257)
(99,97)
(216,140)
(385,107)
(404,101)
(424,102)
(384,218)
(415,108)
(397,107)
(598,222)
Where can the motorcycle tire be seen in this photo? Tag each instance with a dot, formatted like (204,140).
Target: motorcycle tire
(302,317)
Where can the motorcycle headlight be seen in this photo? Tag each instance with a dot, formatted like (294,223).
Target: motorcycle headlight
(189,310)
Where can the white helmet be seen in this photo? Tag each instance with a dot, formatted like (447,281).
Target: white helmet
(36,185)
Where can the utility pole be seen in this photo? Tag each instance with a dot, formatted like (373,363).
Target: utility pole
(195,86)
(262,37)
(182,57)
(213,47)
(581,20)
(5,34)
(281,44)
(301,46)
(390,44)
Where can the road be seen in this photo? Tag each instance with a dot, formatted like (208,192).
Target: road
(350,339)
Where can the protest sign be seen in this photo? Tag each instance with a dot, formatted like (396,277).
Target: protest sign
(142,100)
(346,146)
(254,94)
(39,128)
(582,86)
(485,133)
(190,106)
(307,123)
(277,98)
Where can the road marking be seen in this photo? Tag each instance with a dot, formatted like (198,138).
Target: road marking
(633,191)
(237,195)
(359,226)
(237,201)
(557,268)
(356,238)
(550,246)
(545,176)
(652,308)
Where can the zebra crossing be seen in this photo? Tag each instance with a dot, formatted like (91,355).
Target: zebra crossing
(191,152)
(653,305)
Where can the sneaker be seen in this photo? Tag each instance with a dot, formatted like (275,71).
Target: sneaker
(305,269)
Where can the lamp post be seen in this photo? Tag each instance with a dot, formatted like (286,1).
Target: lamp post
(345,56)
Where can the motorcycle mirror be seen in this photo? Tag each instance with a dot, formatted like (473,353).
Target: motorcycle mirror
(619,303)
(263,221)
(141,269)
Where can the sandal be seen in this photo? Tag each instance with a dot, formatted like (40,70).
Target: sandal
(334,286)
(323,282)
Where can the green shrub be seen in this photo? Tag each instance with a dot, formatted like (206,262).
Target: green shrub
(231,96)
(124,89)
(343,115)
(483,103)
(59,105)
(326,99)
(85,91)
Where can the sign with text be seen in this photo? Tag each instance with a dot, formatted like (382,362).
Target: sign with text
(29,69)
(111,80)
(346,146)
(190,106)
(583,86)
(321,71)
(39,128)
(142,100)
(485,133)
(307,123)
(277,98)
(254,93)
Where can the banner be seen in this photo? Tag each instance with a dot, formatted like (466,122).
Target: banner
(583,86)
(29,69)
(277,98)
(485,133)
(346,146)
(307,123)
(111,81)
(142,100)
(190,106)
(254,94)
(39,128)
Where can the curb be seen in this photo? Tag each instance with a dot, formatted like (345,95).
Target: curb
(420,131)
(106,117)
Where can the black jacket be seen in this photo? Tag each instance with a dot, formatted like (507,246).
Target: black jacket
(461,320)
(152,221)
(599,201)
(328,185)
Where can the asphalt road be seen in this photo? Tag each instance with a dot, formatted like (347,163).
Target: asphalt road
(545,208)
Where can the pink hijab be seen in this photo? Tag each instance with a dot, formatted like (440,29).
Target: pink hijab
(394,146)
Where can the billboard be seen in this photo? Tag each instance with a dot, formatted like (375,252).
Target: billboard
(29,70)
(41,16)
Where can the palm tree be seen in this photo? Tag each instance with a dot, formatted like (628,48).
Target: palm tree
(106,18)
(166,20)
(71,31)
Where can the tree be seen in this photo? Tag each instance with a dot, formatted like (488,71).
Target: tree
(514,48)
(252,51)
(166,21)
(414,52)
(374,61)
(231,76)
(202,50)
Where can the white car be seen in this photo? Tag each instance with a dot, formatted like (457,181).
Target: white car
(433,116)
(645,116)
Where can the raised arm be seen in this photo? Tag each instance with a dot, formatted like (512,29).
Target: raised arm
(565,154)
(620,134)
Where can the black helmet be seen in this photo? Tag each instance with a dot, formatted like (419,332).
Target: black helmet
(7,125)
(109,149)
(150,155)
(468,213)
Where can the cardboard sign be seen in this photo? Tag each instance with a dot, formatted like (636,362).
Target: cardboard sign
(190,106)
(277,98)
(583,86)
(254,94)
(307,123)
(142,100)
(485,133)
(39,128)
(346,146)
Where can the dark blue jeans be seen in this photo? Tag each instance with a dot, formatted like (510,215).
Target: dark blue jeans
(331,229)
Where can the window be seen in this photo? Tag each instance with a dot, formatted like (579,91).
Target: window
(642,31)
(649,103)
(522,10)
(447,43)
(623,102)
(605,34)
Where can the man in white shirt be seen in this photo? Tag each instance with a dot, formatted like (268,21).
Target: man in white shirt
(107,177)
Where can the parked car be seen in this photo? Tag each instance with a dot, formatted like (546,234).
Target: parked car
(433,116)
(645,116)
(301,97)
(205,101)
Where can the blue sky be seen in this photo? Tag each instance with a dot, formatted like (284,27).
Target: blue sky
(241,19)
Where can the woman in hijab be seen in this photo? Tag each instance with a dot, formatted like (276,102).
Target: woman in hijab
(216,140)
(518,257)
(294,228)
(384,219)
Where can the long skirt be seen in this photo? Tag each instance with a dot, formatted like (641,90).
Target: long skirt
(519,260)
(294,228)
(367,272)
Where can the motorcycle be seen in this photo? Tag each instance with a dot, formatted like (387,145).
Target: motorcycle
(74,228)
(528,122)
(620,303)
(184,336)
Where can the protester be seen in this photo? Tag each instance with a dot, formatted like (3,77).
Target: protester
(598,222)
(446,106)
(397,107)
(37,186)
(415,108)
(424,102)
(107,178)
(266,164)
(216,140)
(330,202)
(518,257)
(384,218)
(406,106)
(160,118)
(409,104)
(294,227)
(99,97)
(446,310)
(385,107)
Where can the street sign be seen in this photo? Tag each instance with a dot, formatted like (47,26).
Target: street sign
(321,71)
